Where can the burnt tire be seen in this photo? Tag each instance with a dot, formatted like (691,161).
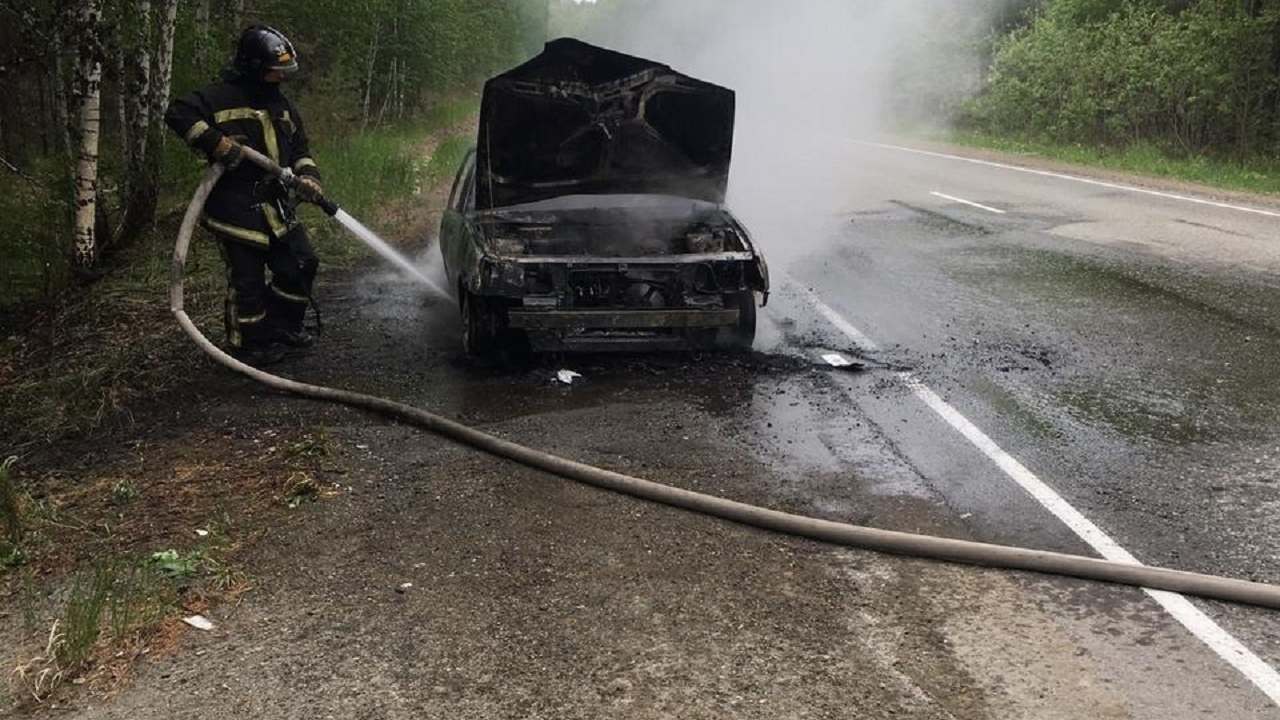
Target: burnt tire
(743,334)
(479,325)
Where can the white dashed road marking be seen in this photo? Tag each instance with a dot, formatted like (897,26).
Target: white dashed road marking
(968,202)
(1074,178)
(1262,675)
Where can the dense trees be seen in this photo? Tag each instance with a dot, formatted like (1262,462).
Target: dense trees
(82,152)
(1188,76)
(82,156)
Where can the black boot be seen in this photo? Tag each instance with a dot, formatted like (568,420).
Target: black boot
(300,339)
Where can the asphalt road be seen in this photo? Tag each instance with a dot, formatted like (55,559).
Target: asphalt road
(1118,339)
(1052,363)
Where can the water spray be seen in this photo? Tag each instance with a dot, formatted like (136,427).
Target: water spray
(866,538)
(330,208)
(380,246)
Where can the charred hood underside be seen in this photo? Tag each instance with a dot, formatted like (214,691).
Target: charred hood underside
(578,119)
(673,230)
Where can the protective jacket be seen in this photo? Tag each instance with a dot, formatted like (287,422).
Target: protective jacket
(245,204)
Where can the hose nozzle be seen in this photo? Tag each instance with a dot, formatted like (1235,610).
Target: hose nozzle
(329,207)
(290,180)
(293,183)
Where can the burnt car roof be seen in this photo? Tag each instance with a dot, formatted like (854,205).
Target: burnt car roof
(580,119)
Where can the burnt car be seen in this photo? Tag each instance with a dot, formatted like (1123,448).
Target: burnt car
(590,215)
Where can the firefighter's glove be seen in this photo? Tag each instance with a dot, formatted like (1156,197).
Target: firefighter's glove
(309,190)
(228,153)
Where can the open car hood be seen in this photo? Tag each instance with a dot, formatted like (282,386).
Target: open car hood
(579,119)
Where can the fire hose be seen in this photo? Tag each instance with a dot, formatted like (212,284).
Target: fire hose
(865,538)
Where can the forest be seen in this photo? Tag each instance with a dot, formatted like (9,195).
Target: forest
(84,161)
(1193,77)
(84,158)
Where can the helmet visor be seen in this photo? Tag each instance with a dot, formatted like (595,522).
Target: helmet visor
(285,60)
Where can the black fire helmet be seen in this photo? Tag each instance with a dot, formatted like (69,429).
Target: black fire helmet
(262,49)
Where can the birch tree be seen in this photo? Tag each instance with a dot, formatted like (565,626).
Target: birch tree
(167,15)
(87,101)
(368,76)
(135,46)
(201,42)
(146,43)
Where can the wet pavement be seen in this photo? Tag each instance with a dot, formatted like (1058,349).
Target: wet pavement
(1139,380)
(1136,373)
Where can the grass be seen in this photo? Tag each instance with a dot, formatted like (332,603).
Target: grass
(1260,176)
(365,174)
(313,445)
(445,160)
(11,521)
(86,357)
(34,259)
(452,112)
(123,604)
(364,171)
(82,619)
(118,600)
(367,170)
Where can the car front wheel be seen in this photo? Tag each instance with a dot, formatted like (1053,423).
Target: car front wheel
(743,334)
(479,325)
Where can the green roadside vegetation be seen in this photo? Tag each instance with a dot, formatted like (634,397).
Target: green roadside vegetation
(1260,175)
(1185,89)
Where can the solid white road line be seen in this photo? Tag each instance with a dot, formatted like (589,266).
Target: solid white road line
(1262,675)
(968,202)
(834,318)
(1075,178)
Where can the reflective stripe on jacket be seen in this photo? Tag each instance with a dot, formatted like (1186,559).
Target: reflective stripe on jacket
(259,116)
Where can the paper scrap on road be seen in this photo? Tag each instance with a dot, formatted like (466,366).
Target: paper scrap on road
(198,622)
(837,360)
(567,376)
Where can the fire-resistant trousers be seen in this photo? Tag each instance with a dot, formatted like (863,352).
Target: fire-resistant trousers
(258,311)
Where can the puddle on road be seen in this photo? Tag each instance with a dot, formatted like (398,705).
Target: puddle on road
(1010,407)
(810,431)
(941,223)
(1154,354)
(1145,416)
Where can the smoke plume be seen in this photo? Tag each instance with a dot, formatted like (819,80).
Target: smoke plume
(810,76)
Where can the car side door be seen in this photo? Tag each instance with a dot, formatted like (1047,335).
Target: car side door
(455,240)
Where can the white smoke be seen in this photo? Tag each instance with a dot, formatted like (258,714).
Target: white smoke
(810,76)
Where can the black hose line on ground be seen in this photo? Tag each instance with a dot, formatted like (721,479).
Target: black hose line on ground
(886,541)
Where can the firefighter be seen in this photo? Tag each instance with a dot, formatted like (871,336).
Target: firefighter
(248,212)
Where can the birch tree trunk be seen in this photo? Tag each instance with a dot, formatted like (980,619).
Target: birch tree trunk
(139,197)
(122,111)
(368,77)
(88,79)
(201,50)
(139,83)
(168,16)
